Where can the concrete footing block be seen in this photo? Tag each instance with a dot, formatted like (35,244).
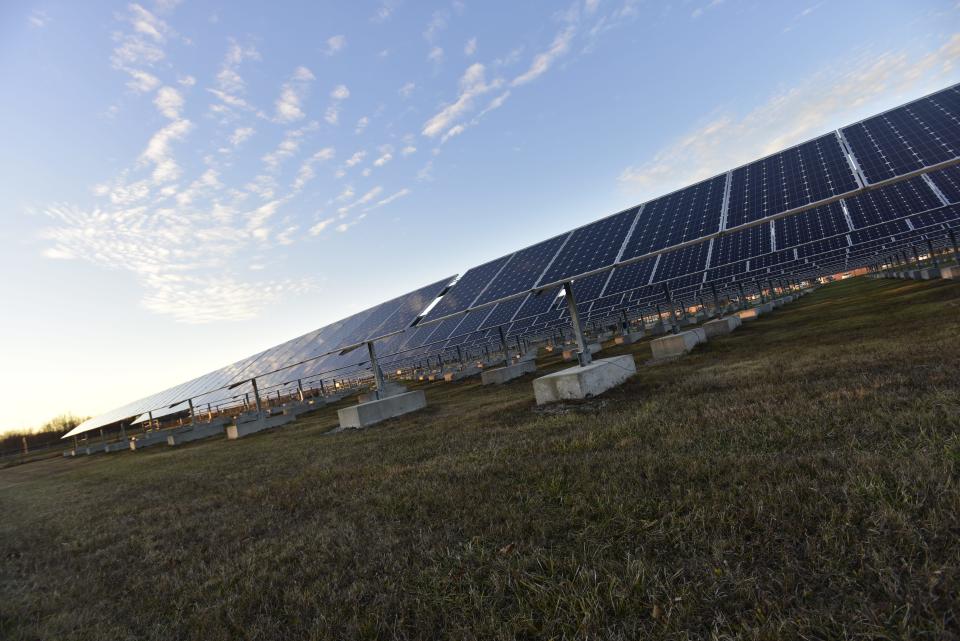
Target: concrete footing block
(117,446)
(603,337)
(239,430)
(951,273)
(584,382)
(767,307)
(628,339)
(500,375)
(929,273)
(659,328)
(389,389)
(148,439)
(677,344)
(366,414)
(721,326)
(196,432)
(749,314)
(459,375)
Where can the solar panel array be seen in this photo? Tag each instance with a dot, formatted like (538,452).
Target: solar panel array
(316,352)
(829,188)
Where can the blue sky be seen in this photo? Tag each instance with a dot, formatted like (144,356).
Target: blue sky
(186,183)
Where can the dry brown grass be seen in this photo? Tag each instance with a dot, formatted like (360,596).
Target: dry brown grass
(795,480)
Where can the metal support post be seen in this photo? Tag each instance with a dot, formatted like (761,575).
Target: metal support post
(584,357)
(375,366)
(933,258)
(256,397)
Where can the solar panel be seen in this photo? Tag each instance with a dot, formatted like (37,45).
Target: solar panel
(801,175)
(381,319)
(916,135)
(524,269)
(590,247)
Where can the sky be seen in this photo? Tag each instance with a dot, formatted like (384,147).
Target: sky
(185,183)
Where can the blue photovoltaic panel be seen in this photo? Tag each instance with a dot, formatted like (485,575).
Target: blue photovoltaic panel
(684,215)
(630,277)
(502,313)
(893,201)
(811,225)
(466,290)
(445,329)
(948,181)
(471,322)
(878,231)
(917,135)
(590,288)
(591,247)
(683,261)
(818,247)
(800,175)
(740,246)
(537,304)
(409,306)
(942,215)
(524,269)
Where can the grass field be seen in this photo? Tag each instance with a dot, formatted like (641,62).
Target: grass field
(795,480)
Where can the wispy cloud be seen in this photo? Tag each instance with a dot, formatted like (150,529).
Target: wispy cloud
(288,107)
(470,48)
(38,19)
(335,44)
(338,95)
(438,22)
(473,84)
(543,61)
(169,102)
(826,100)
(699,11)
(139,46)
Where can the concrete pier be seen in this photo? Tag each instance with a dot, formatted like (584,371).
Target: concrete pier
(245,428)
(628,339)
(584,382)
(147,439)
(749,314)
(459,375)
(721,326)
(929,273)
(117,446)
(500,375)
(196,432)
(366,414)
(951,273)
(677,344)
